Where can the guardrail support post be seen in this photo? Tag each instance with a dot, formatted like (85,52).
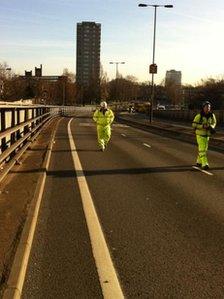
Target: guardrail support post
(33,116)
(26,128)
(3,125)
(13,123)
(18,135)
(38,114)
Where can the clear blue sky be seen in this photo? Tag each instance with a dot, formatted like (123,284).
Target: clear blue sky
(189,36)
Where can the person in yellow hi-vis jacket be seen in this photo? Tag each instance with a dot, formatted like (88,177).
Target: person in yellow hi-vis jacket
(204,124)
(103,118)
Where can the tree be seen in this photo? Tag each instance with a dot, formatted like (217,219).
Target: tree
(123,89)
(71,76)
(4,77)
(144,92)
(210,89)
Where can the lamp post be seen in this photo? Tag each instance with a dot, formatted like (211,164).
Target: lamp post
(116,62)
(117,72)
(153,66)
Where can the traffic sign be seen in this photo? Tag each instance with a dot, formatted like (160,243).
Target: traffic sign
(153,68)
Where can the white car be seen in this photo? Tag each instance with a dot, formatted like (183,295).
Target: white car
(161,107)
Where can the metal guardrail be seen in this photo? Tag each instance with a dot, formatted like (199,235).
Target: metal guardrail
(182,133)
(19,126)
(186,115)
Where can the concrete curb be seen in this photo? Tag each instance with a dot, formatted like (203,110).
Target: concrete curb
(18,270)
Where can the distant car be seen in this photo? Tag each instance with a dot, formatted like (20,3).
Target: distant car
(174,107)
(161,107)
(131,109)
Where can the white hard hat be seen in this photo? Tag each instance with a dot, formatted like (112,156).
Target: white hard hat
(206,103)
(103,104)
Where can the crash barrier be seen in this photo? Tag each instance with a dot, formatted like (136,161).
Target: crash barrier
(77,110)
(182,133)
(185,115)
(19,126)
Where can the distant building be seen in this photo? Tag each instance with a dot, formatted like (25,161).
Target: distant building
(173,87)
(38,71)
(46,89)
(173,78)
(88,53)
(28,74)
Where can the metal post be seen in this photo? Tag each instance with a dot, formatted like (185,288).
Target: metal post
(117,75)
(117,70)
(33,116)
(3,141)
(154,35)
(153,57)
(13,123)
(153,61)
(37,114)
(13,135)
(26,128)
(18,134)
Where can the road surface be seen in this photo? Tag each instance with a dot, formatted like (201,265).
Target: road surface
(162,219)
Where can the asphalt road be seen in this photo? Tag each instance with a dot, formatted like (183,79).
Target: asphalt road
(162,219)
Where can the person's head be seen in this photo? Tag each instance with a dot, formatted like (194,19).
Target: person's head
(103,105)
(206,107)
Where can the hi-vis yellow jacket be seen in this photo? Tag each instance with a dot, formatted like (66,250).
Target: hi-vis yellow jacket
(201,121)
(103,119)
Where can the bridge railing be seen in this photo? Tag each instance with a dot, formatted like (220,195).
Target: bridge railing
(19,126)
(186,115)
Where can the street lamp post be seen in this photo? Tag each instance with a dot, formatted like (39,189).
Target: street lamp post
(116,62)
(153,71)
(117,72)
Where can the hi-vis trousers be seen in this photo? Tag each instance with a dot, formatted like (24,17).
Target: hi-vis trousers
(202,149)
(103,134)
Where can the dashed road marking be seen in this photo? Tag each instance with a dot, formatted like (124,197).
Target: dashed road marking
(86,125)
(107,274)
(204,171)
(121,126)
(147,145)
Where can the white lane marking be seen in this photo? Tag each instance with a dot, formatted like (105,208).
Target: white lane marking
(106,271)
(86,125)
(123,135)
(204,171)
(147,145)
(121,126)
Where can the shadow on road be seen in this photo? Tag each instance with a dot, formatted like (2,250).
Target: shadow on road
(77,150)
(129,171)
